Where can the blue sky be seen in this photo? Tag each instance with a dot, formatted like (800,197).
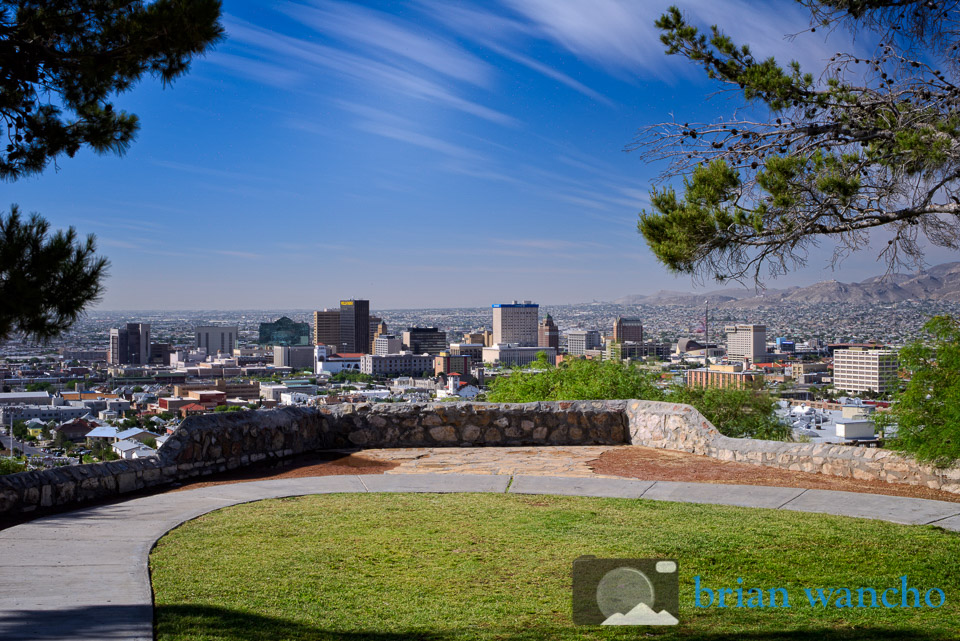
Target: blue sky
(417,154)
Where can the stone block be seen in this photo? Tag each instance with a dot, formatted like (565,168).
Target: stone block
(443,434)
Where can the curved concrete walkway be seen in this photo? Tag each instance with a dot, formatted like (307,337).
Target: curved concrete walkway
(84,574)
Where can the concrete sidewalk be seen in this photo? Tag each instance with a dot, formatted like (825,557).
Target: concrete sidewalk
(84,574)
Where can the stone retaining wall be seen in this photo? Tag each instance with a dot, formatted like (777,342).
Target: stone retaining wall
(683,428)
(220,442)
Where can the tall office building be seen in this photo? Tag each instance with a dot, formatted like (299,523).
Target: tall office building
(354,327)
(326,328)
(387,344)
(216,338)
(377,328)
(515,323)
(581,340)
(861,370)
(627,329)
(548,335)
(284,331)
(746,342)
(130,345)
(425,340)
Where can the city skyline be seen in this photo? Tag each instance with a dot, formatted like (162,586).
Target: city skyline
(478,144)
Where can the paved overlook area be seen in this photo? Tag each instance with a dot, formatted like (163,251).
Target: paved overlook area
(55,582)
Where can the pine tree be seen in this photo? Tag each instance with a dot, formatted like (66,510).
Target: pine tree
(871,142)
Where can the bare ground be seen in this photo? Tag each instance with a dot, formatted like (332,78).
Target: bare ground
(667,465)
(314,464)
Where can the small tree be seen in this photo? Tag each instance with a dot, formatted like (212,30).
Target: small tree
(927,411)
(20,430)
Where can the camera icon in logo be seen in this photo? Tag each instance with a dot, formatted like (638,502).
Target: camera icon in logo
(625,591)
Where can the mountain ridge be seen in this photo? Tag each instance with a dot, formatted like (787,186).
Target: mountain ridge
(940,282)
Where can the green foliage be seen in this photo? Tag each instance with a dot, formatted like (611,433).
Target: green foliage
(351,376)
(71,385)
(73,55)
(737,413)
(740,413)
(576,379)
(20,430)
(927,410)
(228,408)
(45,280)
(40,387)
(150,442)
(11,466)
(836,157)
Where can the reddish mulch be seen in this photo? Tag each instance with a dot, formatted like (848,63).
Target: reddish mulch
(667,465)
(314,464)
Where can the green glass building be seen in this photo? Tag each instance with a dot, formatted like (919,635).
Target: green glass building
(285,332)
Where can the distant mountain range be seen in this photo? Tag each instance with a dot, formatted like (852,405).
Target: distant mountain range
(936,283)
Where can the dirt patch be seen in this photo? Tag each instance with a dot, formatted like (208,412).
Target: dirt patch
(313,464)
(667,465)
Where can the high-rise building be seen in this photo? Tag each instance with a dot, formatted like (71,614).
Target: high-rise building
(627,329)
(425,340)
(284,331)
(387,344)
(326,328)
(297,357)
(862,370)
(548,335)
(216,338)
(746,342)
(581,340)
(130,345)
(515,323)
(354,327)
(378,327)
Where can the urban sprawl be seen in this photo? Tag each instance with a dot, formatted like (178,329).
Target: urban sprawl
(119,383)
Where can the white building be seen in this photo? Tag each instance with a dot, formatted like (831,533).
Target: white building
(334,364)
(455,388)
(396,364)
(862,370)
(45,413)
(387,344)
(215,338)
(581,340)
(516,323)
(746,342)
(509,355)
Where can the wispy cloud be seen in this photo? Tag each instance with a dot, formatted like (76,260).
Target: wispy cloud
(620,34)
(375,31)
(492,31)
(267,73)
(208,171)
(237,254)
(371,74)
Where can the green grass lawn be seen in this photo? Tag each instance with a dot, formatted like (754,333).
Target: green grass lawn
(379,567)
